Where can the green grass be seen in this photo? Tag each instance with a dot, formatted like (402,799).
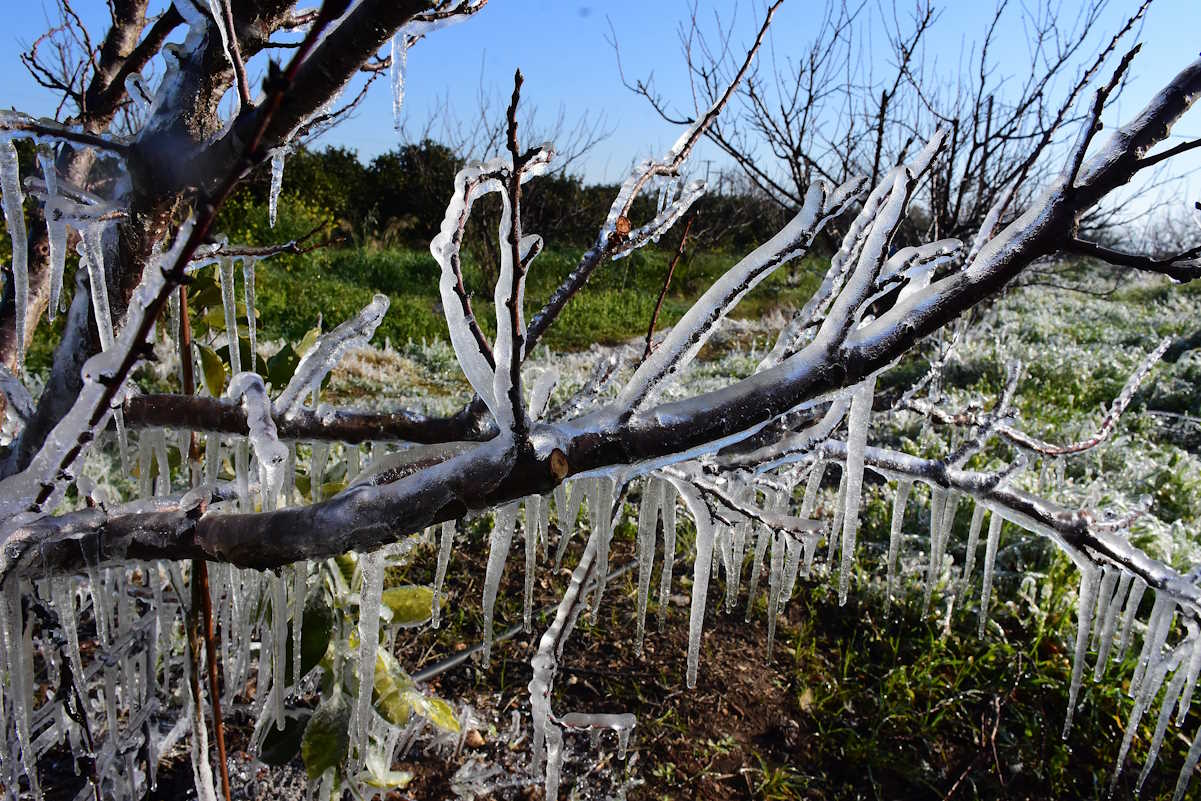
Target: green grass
(616,304)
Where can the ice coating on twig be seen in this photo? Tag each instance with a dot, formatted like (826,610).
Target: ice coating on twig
(498,553)
(327,350)
(56,232)
(857,424)
(55,466)
(272,455)
(19,401)
(545,664)
(687,337)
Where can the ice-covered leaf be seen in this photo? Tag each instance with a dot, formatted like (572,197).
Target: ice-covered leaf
(410,605)
(327,736)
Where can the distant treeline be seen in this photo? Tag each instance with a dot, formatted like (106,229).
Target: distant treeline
(399,198)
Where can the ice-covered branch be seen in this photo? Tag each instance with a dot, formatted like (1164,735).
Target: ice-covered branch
(323,356)
(687,337)
(615,237)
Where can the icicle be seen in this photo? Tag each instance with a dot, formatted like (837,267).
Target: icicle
(1161,726)
(14,216)
(736,547)
(1194,668)
(251,327)
(938,506)
(1158,625)
(1090,575)
(990,560)
(569,513)
(775,582)
(973,540)
(400,58)
(1112,610)
(300,587)
(279,647)
(899,501)
(226,276)
(857,424)
(667,506)
(277,183)
(444,546)
(809,502)
(1186,770)
(1109,577)
(602,521)
(19,658)
(1132,602)
(56,231)
(1142,701)
(371,567)
(761,542)
(498,554)
(648,519)
(840,510)
(532,523)
(792,563)
(701,566)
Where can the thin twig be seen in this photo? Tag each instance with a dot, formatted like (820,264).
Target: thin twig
(235,53)
(671,268)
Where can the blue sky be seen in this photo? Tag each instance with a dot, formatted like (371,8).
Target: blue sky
(561,47)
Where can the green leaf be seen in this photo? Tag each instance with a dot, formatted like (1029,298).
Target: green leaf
(302,484)
(410,605)
(243,351)
(214,317)
(316,629)
(398,699)
(308,340)
(435,710)
(279,747)
(378,773)
(331,488)
(213,371)
(391,689)
(281,366)
(327,736)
